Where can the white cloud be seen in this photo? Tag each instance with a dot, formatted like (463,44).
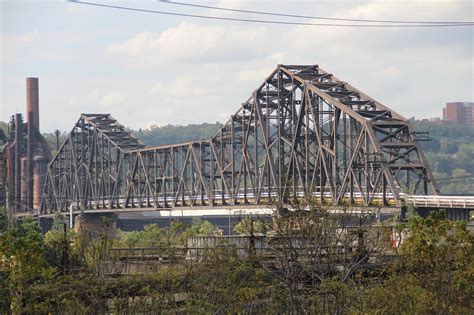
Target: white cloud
(76,8)
(199,70)
(216,67)
(415,10)
(112,99)
(10,44)
(183,86)
(20,39)
(191,42)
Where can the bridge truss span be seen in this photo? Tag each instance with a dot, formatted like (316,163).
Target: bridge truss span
(301,132)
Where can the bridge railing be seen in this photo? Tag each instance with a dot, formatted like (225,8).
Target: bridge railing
(440,201)
(240,197)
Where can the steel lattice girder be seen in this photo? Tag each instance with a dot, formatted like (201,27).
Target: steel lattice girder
(302,132)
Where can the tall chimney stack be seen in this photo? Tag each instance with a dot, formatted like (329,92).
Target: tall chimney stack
(32,102)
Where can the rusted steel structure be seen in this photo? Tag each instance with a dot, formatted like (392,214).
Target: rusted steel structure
(24,156)
(302,132)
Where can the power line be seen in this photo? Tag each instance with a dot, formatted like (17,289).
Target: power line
(268,21)
(313,17)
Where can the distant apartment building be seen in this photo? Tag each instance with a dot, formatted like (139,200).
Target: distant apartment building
(459,113)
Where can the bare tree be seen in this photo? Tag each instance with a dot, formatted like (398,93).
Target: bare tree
(312,246)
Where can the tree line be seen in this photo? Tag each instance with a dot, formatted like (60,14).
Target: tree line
(317,262)
(450,153)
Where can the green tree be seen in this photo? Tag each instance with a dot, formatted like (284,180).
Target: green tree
(459,172)
(447,146)
(465,157)
(434,273)
(450,148)
(58,242)
(200,227)
(170,134)
(4,126)
(249,226)
(151,235)
(320,254)
(443,163)
(23,262)
(51,140)
(222,282)
(3,220)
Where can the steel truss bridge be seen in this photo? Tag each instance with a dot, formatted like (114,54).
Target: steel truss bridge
(301,132)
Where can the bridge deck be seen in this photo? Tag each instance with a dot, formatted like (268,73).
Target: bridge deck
(418,201)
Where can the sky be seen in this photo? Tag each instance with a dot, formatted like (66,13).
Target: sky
(150,69)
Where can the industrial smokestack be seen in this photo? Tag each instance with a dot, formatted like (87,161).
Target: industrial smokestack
(32,102)
(37,152)
(33,183)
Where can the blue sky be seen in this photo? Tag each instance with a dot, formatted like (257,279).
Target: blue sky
(149,69)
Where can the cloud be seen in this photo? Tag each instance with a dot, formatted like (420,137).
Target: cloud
(112,99)
(198,70)
(20,39)
(76,8)
(188,99)
(215,67)
(12,44)
(191,42)
(184,86)
(222,43)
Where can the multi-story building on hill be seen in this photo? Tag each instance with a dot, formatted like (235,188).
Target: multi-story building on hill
(459,113)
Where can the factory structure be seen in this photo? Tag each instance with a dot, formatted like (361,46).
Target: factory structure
(24,155)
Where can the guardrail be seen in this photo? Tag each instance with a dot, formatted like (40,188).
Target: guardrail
(417,200)
(438,201)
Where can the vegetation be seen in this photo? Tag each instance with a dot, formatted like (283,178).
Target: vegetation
(169,134)
(4,126)
(3,219)
(175,235)
(51,140)
(434,273)
(249,225)
(317,263)
(450,153)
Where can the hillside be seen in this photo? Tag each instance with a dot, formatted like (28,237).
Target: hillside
(450,153)
(170,134)
(4,126)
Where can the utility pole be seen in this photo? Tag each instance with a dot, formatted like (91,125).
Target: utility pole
(65,251)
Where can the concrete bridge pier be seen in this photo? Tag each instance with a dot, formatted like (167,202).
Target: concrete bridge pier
(453,214)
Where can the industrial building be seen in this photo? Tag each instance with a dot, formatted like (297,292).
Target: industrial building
(24,155)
